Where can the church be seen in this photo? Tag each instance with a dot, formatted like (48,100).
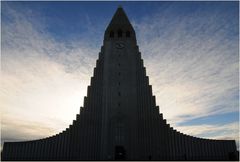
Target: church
(120,119)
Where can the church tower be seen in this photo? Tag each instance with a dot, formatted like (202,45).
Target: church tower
(120,119)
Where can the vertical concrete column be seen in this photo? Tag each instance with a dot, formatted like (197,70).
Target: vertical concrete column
(45,149)
(141,110)
(71,141)
(63,148)
(40,153)
(50,148)
(191,147)
(19,152)
(188,151)
(233,145)
(77,138)
(227,145)
(171,153)
(10,151)
(17,149)
(67,140)
(206,149)
(164,132)
(20,155)
(25,149)
(222,149)
(84,124)
(193,141)
(176,145)
(30,151)
(158,140)
(142,137)
(181,146)
(43,154)
(34,152)
(148,117)
(60,146)
(5,154)
(210,148)
(87,112)
(55,144)
(224,155)
(98,109)
(173,144)
(184,147)
(145,126)
(216,150)
(213,150)
(54,147)
(37,149)
(92,121)
(199,148)
(80,136)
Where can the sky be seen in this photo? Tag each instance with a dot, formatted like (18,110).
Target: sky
(49,50)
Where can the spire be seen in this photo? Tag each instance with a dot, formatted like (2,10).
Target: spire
(121,22)
(120,19)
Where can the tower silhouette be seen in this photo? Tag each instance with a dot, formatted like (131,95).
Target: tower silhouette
(120,119)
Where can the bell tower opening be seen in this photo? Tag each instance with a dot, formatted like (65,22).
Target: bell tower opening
(119,33)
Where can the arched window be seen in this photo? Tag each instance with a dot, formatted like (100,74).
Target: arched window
(127,33)
(119,33)
(111,34)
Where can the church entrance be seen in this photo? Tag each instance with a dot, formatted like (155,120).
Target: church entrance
(120,153)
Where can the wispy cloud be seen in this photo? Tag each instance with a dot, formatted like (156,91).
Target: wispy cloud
(192,61)
(43,81)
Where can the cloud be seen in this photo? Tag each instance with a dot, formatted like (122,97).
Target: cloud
(228,131)
(192,61)
(43,81)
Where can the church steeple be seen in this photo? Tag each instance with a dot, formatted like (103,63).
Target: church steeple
(120,27)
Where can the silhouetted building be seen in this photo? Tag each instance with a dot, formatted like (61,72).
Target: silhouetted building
(120,119)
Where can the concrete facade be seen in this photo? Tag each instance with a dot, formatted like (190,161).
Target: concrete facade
(120,119)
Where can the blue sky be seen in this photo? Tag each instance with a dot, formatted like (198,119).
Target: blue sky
(190,51)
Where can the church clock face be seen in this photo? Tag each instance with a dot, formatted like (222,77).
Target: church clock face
(119,45)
